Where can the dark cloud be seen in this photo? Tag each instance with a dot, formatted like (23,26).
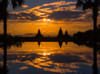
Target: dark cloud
(49,6)
(20,57)
(66,58)
(23,16)
(34,3)
(68,15)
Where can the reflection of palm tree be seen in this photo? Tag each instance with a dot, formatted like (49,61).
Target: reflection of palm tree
(5,58)
(4,12)
(1,69)
(95,69)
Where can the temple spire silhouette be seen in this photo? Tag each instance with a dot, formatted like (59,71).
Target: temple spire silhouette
(60,35)
(67,36)
(39,33)
(39,36)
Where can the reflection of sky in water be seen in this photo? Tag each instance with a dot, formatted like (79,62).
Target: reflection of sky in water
(50,58)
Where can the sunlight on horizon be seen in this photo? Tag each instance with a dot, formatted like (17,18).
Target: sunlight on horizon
(49,17)
(46,19)
(48,27)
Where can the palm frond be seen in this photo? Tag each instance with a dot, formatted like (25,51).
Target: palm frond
(16,3)
(0,12)
(79,3)
(99,3)
(88,5)
(20,2)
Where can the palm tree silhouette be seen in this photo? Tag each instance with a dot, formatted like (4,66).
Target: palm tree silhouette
(94,6)
(4,11)
(3,16)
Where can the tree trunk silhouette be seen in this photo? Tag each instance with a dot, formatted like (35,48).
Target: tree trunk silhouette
(5,28)
(4,14)
(95,14)
(95,69)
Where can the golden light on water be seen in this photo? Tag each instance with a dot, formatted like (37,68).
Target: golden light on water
(49,56)
(45,54)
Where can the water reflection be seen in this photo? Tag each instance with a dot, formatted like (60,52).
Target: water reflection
(60,44)
(95,67)
(39,43)
(49,58)
(5,59)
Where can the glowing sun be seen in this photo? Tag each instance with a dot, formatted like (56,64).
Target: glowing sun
(44,54)
(46,19)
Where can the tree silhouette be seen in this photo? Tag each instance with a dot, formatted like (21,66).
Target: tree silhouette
(93,5)
(4,11)
(3,16)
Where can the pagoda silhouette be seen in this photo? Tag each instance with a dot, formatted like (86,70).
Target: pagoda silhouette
(60,35)
(39,36)
(67,36)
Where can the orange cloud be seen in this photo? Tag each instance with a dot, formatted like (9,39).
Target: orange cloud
(59,3)
(44,10)
(25,6)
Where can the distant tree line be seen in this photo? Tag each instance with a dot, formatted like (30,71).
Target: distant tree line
(87,35)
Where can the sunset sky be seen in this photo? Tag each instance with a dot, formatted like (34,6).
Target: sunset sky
(48,16)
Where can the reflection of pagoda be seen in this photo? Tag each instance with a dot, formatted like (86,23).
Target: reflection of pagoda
(60,35)
(39,36)
(60,43)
